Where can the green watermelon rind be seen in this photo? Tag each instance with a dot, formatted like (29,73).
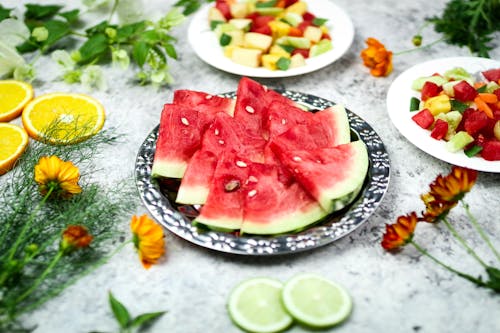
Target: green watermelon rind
(192,195)
(168,169)
(342,123)
(220,223)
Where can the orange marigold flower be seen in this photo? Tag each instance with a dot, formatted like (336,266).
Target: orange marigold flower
(453,187)
(377,58)
(75,237)
(58,176)
(399,233)
(148,239)
(435,210)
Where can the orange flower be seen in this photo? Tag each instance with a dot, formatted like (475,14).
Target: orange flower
(453,187)
(148,240)
(399,233)
(61,177)
(435,209)
(75,237)
(377,58)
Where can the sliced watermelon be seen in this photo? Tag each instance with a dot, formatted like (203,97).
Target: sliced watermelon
(273,206)
(333,176)
(336,124)
(225,201)
(203,102)
(281,117)
(179,137)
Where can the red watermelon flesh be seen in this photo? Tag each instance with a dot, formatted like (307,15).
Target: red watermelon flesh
(281,117)
(272,206)
(336,124)
(252,102)
(179,137)
(329,174)
(225,201)
(203,102)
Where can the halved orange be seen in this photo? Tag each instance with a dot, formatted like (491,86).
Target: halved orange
(13,140)
(14,95)
(63,118)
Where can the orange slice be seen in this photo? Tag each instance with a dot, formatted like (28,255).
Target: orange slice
(14,96)
(13,140)
(63,118)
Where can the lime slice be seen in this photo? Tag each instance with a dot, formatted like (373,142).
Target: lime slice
(255,306)
(315,301)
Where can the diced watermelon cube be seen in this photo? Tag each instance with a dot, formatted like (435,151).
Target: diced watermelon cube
(492,74)
(304,24)
(424,118)
(474,121)
(497,92)
(464,92)
(223,6)
(440,129)
(304,52)
(265,30)
(261,21)
(290,2)
(326,36)
(308,16)
(491,150)
(430,89)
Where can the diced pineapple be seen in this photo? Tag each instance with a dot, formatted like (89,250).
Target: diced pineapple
(237,37)
(297,60)
(278,50)
(238,9)
(257,41)
(269,61)
(246,57)
(438,104)
(228,51)
(313,34)
(279,29)
(300,7)
(324,29)
(215,15)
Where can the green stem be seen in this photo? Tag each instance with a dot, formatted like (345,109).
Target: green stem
(462,242)
(451,269)
(79,34)
(42,277)
(27,225)
(115,5)
(426,46)
(480,230)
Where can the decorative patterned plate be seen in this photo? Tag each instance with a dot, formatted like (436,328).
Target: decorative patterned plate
(332,228)
(206,46)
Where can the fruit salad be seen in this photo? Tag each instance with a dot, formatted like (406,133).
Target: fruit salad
(274,34)
(461,108)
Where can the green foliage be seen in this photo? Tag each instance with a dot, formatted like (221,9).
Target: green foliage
(190,6)
(469,23)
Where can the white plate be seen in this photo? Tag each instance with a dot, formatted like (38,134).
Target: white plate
(205,43)
(398,104)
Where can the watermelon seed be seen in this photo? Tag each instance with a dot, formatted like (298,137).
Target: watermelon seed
(209,97)
(221,142)
(265,88)
(232,185)
(252,193)
(184,121)
(296,159)
(283,121)
(253,179)
(249,109)
(216,131)
(241,164)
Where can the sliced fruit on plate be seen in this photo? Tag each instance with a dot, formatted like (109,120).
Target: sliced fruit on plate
(63,118)
(179,137)
(14,96)
(13,140)
(315,301)
(333,176)
(281,117)
(255,306)
(203,102)
(274,205)
(337,127)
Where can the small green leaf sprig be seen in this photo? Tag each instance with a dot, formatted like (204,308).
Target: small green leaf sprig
(46,28)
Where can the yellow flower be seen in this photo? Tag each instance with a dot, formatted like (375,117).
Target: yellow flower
(148,240)
(58,176)
(75,237)
(377,58)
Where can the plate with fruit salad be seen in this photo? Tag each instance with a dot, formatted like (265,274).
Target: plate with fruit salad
(450,108)
(270,38)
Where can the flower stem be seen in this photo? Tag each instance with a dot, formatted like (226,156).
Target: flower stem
(40,279)
(451,269)
(462,242)
(480,230)
(426,46)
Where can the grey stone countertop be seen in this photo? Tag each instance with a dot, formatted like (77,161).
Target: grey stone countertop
(402,292)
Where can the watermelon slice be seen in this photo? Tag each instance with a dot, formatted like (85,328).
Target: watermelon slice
(274,206)
(336,124)
(333,176)
(203,102)
(179,137)
(281,117)
(224,206)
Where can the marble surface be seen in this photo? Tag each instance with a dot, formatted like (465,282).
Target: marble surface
(392,293)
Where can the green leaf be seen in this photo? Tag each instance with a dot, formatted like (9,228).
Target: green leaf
(458,106)
(170,50)
(283,63)
(151,37)
(4,13)
(319,21)
(99,28)
(41,12)
(120,311)
(266,4)
(140,52)
(494,278)
(57,30)
(93,48)
(146,318)
(127,31)
(71,16)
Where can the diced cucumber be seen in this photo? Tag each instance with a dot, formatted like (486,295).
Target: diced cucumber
(492,86)
(271,11)
(418,84)
(293,19)
(214,24)
(323,46)
(414,104)
(242,24)
(297,42)
(473,151)
(283,63)
(448,88)
(458,74)
(459,141)
(222,28)
(453,118)
(225,39)
(319,21)
(266,4)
